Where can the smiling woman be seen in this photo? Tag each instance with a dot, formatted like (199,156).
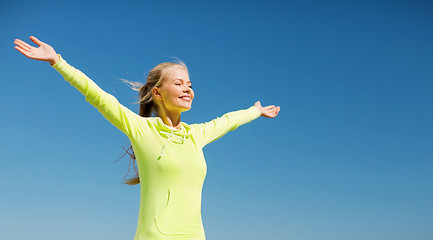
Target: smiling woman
(168,152)
(174,95)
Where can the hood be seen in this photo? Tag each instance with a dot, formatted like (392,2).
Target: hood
(178,136)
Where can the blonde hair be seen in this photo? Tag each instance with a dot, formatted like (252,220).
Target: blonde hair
(154,79)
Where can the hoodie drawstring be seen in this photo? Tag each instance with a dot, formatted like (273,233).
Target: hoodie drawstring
(170,135)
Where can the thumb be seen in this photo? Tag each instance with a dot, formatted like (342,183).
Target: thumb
(35,40)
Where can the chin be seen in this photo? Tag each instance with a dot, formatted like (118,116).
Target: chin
(186,108)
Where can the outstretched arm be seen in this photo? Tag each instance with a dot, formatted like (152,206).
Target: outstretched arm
(210,131)
(123,118)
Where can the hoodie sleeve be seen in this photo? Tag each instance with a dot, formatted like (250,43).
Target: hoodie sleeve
(120,116)
(218,127)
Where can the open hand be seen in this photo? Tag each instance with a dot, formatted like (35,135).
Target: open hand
(43,53)
(269,111)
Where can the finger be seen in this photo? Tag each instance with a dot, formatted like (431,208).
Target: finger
(24,52)
(35,40)
(24,43)
(21,45)
(270,107)
(274,112)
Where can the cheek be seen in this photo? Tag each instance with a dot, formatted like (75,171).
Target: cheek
(172,93)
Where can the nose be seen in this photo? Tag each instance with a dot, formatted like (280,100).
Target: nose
(187,89)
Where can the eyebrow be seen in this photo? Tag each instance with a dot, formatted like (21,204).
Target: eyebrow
(180,80)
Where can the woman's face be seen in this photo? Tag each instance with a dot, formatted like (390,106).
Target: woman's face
(175,93)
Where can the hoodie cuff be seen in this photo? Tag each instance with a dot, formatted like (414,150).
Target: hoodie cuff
(255,111)
(59,63)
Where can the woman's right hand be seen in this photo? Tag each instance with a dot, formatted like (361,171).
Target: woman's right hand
(43,53)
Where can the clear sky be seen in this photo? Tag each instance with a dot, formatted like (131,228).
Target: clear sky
(349,157)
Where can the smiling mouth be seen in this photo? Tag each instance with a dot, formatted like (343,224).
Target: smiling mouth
(188,99)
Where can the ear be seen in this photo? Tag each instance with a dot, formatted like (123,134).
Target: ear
(156,94)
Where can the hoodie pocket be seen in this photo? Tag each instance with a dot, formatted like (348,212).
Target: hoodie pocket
(182,214)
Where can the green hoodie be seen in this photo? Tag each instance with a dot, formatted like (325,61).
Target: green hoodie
(170,161)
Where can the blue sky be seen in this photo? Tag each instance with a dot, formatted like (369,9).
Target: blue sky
(350,156)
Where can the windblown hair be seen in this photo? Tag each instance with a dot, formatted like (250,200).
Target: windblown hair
(148,107)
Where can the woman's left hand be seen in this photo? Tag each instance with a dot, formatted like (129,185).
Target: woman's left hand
(269,111)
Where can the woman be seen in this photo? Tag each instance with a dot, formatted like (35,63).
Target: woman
(168,152)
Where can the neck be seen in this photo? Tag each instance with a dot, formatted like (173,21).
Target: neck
(170,118)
